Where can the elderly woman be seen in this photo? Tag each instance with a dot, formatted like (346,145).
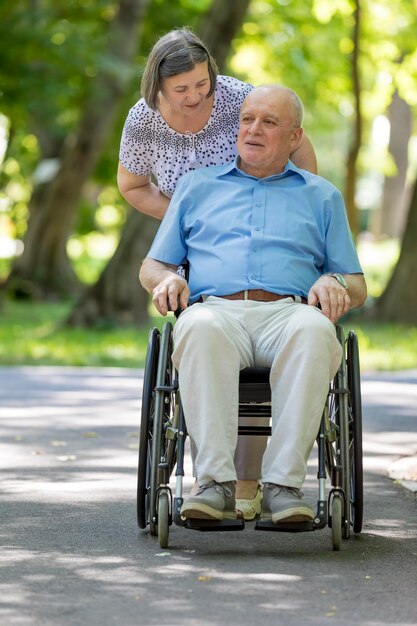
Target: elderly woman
(188,118)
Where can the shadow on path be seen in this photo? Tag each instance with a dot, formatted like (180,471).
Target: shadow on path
(71,553)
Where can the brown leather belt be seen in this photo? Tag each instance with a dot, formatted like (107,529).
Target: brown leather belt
(261,296)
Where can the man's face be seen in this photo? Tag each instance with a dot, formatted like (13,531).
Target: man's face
(267,133)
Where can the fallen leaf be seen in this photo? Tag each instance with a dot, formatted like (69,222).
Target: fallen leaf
(90,435)
(18,438)
(68,457)
(163,554)
(204,579)
(56,443)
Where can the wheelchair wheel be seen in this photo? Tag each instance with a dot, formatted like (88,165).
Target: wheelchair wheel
(355,432)
(164,434)
(337,520)
(337,437)
(146,427)
(163,519)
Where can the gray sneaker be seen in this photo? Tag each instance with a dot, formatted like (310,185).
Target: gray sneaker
(284,504)
(212,501)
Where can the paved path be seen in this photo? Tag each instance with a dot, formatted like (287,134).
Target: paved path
(71,554)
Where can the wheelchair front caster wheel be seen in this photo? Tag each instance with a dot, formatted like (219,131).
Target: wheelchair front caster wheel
(163,519)
(337,521)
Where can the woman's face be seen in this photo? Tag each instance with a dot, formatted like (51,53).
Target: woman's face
(186,93)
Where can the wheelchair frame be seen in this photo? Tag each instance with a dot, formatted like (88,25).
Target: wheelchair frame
(163,433)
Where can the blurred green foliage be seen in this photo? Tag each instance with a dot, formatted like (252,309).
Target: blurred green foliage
(378,259)
(307,45)
(34,334)
(51,53)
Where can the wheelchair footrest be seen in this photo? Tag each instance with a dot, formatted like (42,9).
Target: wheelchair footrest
(285,527)
(208,525)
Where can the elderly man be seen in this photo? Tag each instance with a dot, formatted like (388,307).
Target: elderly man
(266,244)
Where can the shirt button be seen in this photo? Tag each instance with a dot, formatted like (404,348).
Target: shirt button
(259,204)
(257,229)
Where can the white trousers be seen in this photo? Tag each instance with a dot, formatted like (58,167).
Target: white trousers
(214,340)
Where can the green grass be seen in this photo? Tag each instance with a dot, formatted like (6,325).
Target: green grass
(387,346)
(33,334)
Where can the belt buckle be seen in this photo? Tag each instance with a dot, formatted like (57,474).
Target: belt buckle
(246,294)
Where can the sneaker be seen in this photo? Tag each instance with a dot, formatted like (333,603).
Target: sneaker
(212,501)
(284,504)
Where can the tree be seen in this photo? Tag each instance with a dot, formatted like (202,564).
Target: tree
(220,25)
(116,296)
(44,268)
(356,140)
(105,300)
(390,219)
(398,303)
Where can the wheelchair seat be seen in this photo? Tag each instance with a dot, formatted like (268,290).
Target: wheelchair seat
(254,385)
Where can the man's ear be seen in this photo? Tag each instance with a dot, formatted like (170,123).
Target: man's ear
(297,133)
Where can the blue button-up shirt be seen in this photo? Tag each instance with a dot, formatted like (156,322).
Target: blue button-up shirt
(238,232)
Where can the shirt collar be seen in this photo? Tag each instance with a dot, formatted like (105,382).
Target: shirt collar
(289,170)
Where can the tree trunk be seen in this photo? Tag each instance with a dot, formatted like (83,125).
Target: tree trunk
(391,218)
(44,269)
(102,299)
(220,25)
(117,297)
(398,303)
(352,158)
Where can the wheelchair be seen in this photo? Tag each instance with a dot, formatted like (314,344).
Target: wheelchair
(163,434)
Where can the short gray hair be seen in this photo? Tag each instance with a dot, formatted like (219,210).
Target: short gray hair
(297,105)
(178,51)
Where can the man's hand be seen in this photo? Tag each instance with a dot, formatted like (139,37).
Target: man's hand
(169,290)
(170,294)
(334,299)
